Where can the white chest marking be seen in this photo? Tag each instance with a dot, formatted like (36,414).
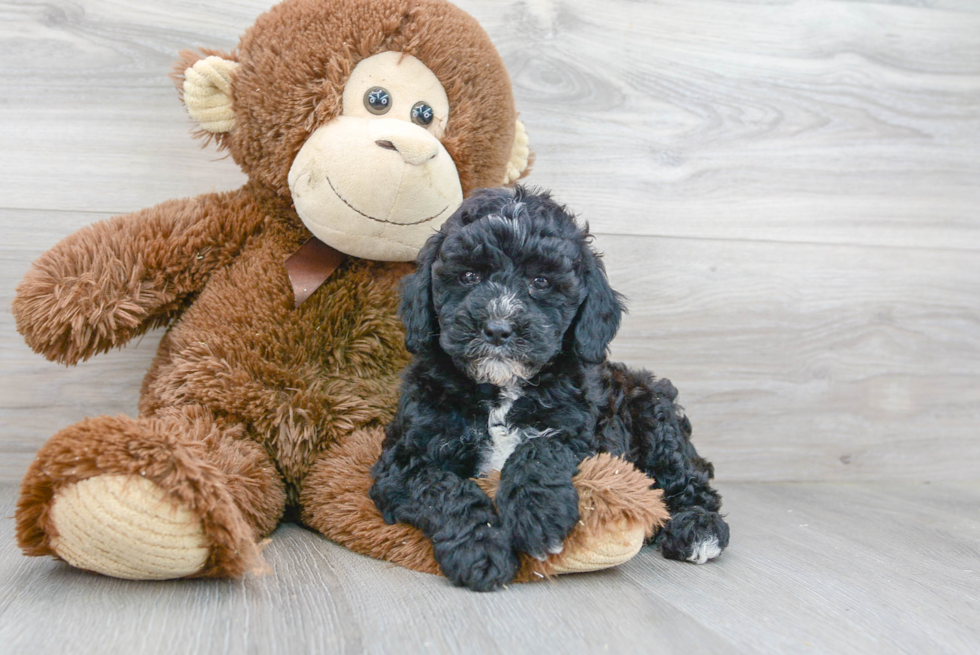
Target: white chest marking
(504,437)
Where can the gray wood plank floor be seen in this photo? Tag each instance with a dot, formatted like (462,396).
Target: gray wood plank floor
(822,568)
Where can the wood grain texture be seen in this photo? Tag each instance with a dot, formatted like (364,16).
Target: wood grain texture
(823,568)
(823,121)
(786,191)
(830,122)
(799,361)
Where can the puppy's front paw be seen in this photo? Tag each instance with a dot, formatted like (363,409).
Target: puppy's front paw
(483,560)
(539,522)
(695,535)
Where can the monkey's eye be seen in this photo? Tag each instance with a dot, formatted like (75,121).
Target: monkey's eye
(541,283)
(469,278)
(422,114)
(377,100)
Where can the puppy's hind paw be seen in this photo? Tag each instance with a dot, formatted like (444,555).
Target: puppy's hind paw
(695,535)
(484,562)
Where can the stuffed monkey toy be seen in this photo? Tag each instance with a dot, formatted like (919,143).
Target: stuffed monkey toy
(361,124)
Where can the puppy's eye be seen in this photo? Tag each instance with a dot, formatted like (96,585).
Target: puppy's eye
(540,283)
(377,100)
(469,278)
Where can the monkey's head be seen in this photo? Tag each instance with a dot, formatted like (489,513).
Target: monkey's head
(374,116)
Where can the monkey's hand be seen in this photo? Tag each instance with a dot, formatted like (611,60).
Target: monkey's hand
(115,279)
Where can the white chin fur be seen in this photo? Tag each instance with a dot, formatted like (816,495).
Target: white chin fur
(498,372)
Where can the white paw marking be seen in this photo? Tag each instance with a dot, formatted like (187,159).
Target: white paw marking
(705,550)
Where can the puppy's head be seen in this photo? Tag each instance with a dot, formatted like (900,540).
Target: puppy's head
(508,283)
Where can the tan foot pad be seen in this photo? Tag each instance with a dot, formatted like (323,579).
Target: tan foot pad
(126,527)
(602,551)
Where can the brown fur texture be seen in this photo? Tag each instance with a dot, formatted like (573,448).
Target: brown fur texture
(338,487)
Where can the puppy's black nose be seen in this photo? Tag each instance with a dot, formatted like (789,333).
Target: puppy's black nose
(497,331)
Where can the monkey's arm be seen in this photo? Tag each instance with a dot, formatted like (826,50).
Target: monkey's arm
(117,278)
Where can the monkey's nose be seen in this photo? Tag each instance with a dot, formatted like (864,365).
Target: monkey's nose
(497,331)
(413,152)
(414,144)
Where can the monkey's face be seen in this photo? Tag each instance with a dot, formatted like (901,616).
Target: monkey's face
(376,181)
(343,107)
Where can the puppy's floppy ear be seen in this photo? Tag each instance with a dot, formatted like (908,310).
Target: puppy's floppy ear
(417,310)
(599,314)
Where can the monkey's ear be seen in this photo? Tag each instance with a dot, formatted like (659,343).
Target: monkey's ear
(599,314)
(206,91)
(520,156)
(417,309)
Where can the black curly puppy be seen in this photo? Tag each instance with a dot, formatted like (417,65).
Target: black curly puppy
(509,315)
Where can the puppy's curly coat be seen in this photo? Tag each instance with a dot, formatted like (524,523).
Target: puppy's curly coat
(509,316)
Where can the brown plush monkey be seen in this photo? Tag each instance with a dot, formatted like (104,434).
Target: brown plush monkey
(361,123)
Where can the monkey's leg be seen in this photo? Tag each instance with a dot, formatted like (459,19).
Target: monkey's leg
(334,501)
(617,507)
(150,498)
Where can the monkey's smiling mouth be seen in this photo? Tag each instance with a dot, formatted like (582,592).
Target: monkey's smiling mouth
(380,220)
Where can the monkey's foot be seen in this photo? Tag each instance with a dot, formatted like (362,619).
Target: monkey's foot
(593,552)
(127,527)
